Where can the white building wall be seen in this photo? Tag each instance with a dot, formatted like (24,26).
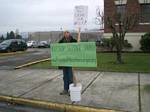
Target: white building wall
(133,38)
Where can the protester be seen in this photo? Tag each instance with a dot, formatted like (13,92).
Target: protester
(67,71)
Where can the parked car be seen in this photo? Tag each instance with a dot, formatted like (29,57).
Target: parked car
(13,45)
(99,42)
(32,44)
(43,44)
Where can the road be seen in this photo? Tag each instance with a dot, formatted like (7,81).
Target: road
(10,62)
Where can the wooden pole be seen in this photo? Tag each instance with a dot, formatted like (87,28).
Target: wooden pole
(75,81)
(74,78)
(79,33)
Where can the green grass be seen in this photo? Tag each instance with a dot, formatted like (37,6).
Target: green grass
(134,62)
(147,88)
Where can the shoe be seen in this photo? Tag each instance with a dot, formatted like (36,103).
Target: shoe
(68,93)
(64,92)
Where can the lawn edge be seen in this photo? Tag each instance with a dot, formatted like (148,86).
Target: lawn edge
(32,63)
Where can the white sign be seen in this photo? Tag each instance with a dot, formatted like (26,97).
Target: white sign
(80,15)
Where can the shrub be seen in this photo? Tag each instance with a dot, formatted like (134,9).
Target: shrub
(127,45)
(105,42)
(110,43)
(145,42)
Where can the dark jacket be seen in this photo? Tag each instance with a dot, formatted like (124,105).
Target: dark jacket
(70,40)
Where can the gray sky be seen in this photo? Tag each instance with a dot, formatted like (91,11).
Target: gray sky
(43,15)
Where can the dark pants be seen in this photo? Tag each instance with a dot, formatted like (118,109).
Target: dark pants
(67,77)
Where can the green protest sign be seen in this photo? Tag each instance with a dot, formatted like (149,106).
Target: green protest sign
(81,54)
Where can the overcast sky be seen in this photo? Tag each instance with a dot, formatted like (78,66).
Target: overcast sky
(43,15)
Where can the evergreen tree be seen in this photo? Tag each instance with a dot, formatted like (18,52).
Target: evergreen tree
(2,38)
(18,37)
(8,35)
(12,35)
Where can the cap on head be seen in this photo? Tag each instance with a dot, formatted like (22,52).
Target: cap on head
(66,31)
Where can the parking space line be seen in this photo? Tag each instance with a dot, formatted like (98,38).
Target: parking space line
(91,82)
(139,92)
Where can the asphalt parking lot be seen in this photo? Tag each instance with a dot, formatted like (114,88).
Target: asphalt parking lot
(12,61)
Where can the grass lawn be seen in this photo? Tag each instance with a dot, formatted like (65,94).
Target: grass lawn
(147,88)
(134,62)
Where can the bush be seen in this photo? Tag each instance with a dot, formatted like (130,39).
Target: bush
(110,43)
(127,45)
(105,42)
(145,42)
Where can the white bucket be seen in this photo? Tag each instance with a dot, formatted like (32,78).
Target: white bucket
(75,92)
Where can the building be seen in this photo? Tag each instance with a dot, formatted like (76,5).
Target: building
(141,7)
(55,36)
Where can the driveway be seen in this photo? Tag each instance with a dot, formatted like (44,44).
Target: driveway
(10,62)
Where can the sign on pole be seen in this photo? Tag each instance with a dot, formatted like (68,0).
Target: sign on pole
(81,54)
(80,15)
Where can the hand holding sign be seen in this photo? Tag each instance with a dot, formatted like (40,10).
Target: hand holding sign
(80,19)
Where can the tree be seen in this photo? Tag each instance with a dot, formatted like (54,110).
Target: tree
(120,23)
(2,38)
(12,35)
(8,35)
(99,20)
(18,37)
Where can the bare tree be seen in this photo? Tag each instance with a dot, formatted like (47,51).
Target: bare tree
(99,20)
(120,23)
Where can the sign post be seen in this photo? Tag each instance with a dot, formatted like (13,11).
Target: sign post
(80,19)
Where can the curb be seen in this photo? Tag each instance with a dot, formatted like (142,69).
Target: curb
(31,63)
(12,53)
(52,106)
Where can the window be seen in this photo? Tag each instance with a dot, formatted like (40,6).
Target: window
(121,10)
(117,2)
(144,1)
(145,13)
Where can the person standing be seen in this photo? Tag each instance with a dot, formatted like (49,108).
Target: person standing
(67,71)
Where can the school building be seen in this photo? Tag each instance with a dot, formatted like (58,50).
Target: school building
(142,7)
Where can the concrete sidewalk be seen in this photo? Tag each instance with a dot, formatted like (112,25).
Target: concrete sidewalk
(119,91)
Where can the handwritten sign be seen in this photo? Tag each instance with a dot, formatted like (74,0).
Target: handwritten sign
(80,15)
(81,54)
